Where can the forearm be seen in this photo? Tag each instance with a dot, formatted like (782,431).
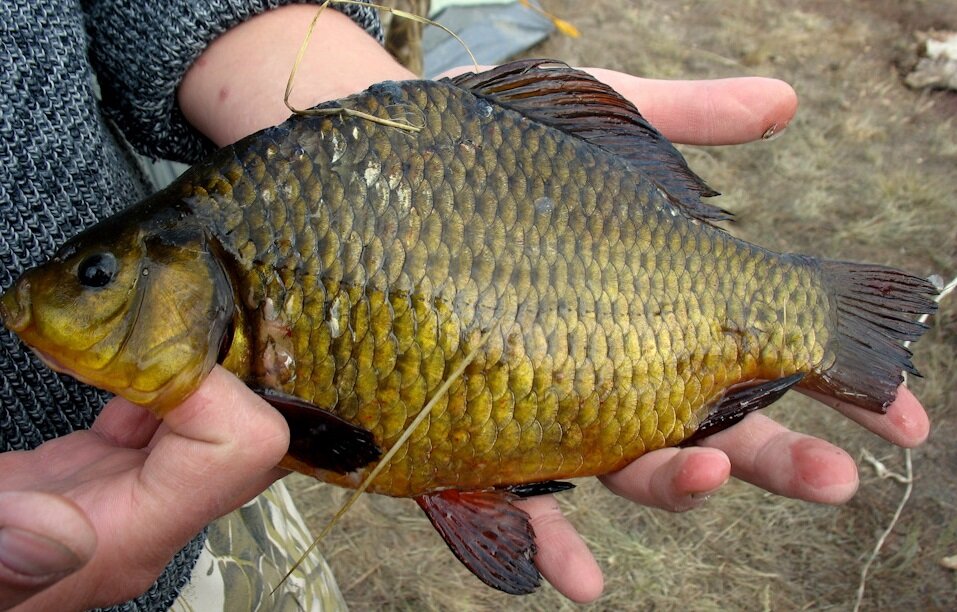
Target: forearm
(237,85)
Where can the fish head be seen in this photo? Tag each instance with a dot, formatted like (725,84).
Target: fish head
(139,308)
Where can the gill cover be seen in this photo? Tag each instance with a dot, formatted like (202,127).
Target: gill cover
(136,307)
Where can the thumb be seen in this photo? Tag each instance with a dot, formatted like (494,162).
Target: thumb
(43,539)
(218,450)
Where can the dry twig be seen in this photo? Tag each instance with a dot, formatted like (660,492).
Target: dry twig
(908,477)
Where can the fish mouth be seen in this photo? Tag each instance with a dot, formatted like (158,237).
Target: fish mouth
(51,362)
(16,314)
(58,366)
(16,307)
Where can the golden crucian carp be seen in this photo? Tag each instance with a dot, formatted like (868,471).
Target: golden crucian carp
(535,224)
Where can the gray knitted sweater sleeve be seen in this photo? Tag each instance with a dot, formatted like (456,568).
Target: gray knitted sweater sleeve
(141,51)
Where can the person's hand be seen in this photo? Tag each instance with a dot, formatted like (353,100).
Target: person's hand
(757,450)
(92,518)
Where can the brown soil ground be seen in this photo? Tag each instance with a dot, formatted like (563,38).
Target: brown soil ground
(867,171)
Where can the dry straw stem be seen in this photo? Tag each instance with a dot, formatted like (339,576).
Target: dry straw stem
(561,25)
(426,410)
(402,125)
(384,462)
(414,17)
(907,478)
(336,110)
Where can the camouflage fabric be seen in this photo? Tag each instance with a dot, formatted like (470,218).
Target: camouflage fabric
(246,554)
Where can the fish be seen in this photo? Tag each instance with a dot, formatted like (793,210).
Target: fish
(530,225)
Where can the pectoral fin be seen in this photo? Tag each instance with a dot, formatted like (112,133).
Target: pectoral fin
(319,438)
(741,401)
(489,535)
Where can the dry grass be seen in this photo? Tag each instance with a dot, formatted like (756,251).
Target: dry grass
(867,171)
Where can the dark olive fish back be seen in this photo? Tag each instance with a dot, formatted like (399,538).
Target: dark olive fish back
(371,259)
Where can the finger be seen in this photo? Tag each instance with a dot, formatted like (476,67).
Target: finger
(562,558)
(708,112)
(43,538)
(905,423)
(125,424)
(219,452)
(57,463)
(703,112)
(781,461)
(671,478)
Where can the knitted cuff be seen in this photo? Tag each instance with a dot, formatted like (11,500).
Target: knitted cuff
(167,587)
(142,50)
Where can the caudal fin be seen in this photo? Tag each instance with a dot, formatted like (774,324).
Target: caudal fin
(877,312)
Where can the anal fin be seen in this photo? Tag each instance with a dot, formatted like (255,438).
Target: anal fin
(489,535)
(531,489)
(741,401)
(321,439)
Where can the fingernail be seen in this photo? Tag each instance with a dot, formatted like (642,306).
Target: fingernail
(702,496)
(34,555)
(693,500)
(773,131)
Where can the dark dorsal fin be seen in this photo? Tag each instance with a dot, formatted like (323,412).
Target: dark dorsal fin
(319,438)
(488,534)
(554,94)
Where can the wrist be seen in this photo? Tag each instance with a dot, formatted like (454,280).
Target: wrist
(236,87)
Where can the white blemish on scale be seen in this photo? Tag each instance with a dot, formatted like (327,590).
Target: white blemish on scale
(544,205)
(372,172)
(381,194)
(334,328)
(403,195)
(661,208)
(338,147)
(355,133)
(394,179)
(269,310)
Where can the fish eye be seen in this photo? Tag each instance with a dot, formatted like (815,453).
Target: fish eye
(97,270)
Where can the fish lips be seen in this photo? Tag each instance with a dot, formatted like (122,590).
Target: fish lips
(16,307)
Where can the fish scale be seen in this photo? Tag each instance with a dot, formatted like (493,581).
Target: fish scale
(536,225)
(608,331)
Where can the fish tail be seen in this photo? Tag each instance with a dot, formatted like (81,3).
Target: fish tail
(878,313)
